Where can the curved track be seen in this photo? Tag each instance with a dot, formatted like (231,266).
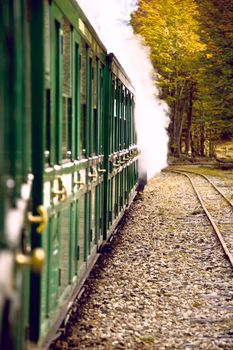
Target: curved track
(217,206)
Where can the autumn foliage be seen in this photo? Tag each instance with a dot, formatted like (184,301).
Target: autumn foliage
(191,44)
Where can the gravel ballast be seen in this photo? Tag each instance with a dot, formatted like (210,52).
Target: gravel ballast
(163,283)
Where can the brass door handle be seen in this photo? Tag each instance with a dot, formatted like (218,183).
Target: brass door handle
(62,192)
(80,183)
(40,219)
(102,170)
(35,260)
(93,175)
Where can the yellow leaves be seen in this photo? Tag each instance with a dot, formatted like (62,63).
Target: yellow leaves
(171,28)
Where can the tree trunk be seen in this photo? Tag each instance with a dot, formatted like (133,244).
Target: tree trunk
(189,121)
(178,117)
(202,141)
(211,149)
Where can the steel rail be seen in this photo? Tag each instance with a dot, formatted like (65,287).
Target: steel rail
(215,227)
(208,179)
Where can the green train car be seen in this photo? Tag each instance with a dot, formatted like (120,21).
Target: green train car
(68,162)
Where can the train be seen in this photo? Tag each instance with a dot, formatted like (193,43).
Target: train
(68,162)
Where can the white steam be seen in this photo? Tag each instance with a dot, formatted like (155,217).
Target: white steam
(110,18)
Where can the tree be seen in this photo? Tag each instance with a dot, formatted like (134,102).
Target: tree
(170,28)
(192,51)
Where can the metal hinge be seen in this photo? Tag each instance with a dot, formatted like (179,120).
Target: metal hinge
(78,252)
(59,277)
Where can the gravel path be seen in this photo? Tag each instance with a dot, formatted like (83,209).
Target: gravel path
(163,284)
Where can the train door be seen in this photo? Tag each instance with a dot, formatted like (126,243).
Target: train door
(79,177)
(95,158)
(100,151)
(39,232)
(54,167)
(15,174)
(96,169)
(118,140)
(97,108)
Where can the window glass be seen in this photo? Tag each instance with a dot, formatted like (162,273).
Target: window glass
(76,98)
(101,106)
(83,92)
(57,63)
(95,93)
(66,90)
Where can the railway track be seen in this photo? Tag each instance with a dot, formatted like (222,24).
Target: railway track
(217,205)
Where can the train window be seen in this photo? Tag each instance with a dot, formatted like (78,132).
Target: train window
(127,120)
(131,119)
(122,101)
(133,122)
(95,130)
(76,97)
(124,120)
(114,112)
(66,126)
(118,99)
(120,117)
(101,106)
(111,120)
(115,132)
(115,100)
(57,88)
(95,93)
(69,127)
(123,135)
(47,90)
(48,126)
(90,112)
(83,91)
(66,89)
(116,119)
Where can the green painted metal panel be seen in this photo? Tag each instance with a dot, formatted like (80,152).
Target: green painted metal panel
(90,125)
(105,133)
(64,245)
(14,159)
(81,234)
(70,243)
(4,98)
(53,266)
(56,84)
(76,75)
(38,139)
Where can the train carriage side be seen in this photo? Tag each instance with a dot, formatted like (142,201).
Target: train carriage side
(15,173)
(68,117)
(68,156)
(121,152)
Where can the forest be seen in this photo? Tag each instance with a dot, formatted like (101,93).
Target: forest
(191,45)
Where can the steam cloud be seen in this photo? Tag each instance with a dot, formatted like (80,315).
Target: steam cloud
(110,18)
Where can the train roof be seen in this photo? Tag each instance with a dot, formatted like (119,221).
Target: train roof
(82,24)
(119,71)
(72,8)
